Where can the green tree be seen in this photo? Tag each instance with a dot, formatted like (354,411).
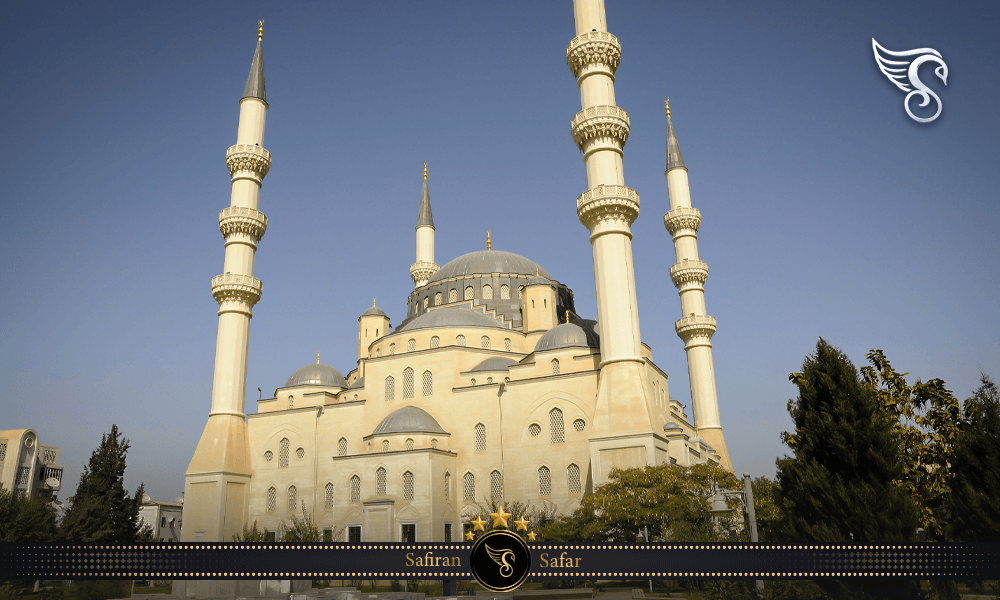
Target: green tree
(251,534)
(24,520)
(102,511)
(975,463)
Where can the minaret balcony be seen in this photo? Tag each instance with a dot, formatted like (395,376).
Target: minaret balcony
(421,272)
(689,273)
(600,122)
(695,326)
(608,204)
(242,221)
(682,219)
(233,287)
(597,49)
(248,162)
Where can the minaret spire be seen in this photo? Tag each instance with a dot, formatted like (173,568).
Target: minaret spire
(218,477)
(424,267)
(689,274)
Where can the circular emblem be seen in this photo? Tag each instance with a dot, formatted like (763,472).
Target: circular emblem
(500,560)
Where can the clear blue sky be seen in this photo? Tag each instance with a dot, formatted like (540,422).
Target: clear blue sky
(826,210)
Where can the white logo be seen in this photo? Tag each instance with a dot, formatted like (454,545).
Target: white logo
(904,74)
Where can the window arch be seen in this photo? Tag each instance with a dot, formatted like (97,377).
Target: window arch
(505,292)
(447,486)
(496,484)
(407,485)
(520,292)
(460,341)
(392,349)
(489,380)
(283,453)
(435,342)
(378,352)
(473,381)
(453,295)
(437,299)
(380,481)
(434,444)
(506,344)
(329,495)
(487,292)
(428,383)
(407,383)
(291,402)
(390,388)
(427,302)
(411,345)
(272,498)
(293,497)
(555,366)
(485,342)
(342,447)
(534,429)
(469,487)
(579,425)
(573,475)
(300,452)
(268,455)
(469,293)
(556,430)
(480,436)
(544,481)
(385,445)
(409,443)
(355,489)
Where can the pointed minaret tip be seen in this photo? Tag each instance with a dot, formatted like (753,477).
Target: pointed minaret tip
(426,217)
(255,82)
(317,358)
(425,171)
(674,158)
(489,242)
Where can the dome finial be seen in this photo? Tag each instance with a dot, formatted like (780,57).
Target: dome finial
(425,171)
(489,242)
(373,302)
(317,358)
(567,316)
(536,270)
(667,103)
(260,32)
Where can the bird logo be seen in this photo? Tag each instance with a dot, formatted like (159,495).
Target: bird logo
(500,558)
(902,69)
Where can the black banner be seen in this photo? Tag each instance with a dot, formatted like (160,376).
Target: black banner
(451,561)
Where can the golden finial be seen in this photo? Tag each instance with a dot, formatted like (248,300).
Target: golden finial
(567,316)
(373,302)
(536,270)
(317,358)
(489,243)
(260,32)
(667,103)
(425,171)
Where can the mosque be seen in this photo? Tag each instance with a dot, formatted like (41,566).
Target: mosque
(490,388)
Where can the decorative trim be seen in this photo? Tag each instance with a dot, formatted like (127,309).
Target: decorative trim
(694,326)
(242,289)
(237,219)
(689,271)
(421,272)
(607,203)
(600,121)
(682,218)
(593,48)
(248,162)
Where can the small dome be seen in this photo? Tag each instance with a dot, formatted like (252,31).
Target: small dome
(360,383)
(317,374)
(374,310)
(539,280)
(581,334)
(408,419)
(494,363)
(488,261)
(671,426)
(454,316)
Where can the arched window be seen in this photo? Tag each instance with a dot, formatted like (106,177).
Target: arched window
(534,429)
(369,447)
(579,425)
(300,452)
(291,402)
(544,481)
(434,444)
(556,426)
(505,292)
(411,345)
(435,342)
(453,295)
(409,443)
(460,341)
(469,293)
(555,366)
(407,383)
(283,453)
(485,342)
(447,486)
(496,484)
(392,349)
(437,299)
(355,489)
(426,302)
(272,499)
(480,436)
(487,292)
(489,380)
(293,497)
(407,485)
(520,292)
(355,397)
(385,445)
(428,383)
(506,344)
(380,481)
(469,487)
(390,388)
(378,352)
(473,381)
(329,495)
(573,475)
(268,456)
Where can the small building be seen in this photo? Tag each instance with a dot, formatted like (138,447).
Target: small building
(28,468)
(163,517)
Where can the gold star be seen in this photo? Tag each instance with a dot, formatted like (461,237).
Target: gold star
(469,535)
(478,524)
(500,517)
(522,523)
(532,535)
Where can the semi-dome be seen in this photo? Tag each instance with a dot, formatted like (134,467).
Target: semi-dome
(488,261)
(360,383)
(408,419)
(581,334)
(454,316)
(494,363)
(317,374)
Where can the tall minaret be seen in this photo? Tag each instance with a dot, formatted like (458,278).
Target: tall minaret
(689,275)
(608,209)
(215,485)
(422,270)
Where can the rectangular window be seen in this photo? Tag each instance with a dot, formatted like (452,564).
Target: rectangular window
(163,521)
(327,535)
(270,536)
(354,535)
(447,532)
(409,533)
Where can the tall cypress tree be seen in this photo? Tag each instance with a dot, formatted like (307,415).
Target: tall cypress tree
(101,511)
(975,464)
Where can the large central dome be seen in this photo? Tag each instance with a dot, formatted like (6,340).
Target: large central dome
(488,261)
